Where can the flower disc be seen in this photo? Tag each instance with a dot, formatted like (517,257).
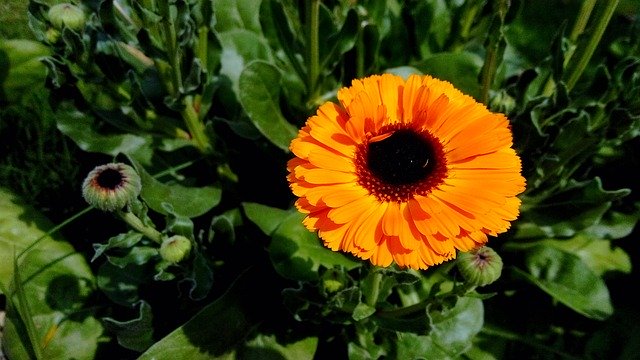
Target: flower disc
(405,172)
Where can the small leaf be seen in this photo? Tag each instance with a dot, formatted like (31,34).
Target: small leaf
(259,94)
(362,311)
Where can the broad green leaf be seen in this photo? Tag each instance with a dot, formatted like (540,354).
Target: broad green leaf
(185,201)
(239,48)
(297,253)
(268,347)
(80,127)
(568,280)
(259,94)
(614,225)
(460,69)
(56,282)
(452,333)
(267,218)
(237,14)
(597,254)
(218,328)
(22,68)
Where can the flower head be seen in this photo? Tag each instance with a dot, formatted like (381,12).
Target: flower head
(405,171)
(67,15)
(112,186)
(480,267)
(175,248)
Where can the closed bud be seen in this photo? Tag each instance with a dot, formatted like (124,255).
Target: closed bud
(67,15)
(333,281)
(480,267)
(175,248)
(111,187)
(52,35)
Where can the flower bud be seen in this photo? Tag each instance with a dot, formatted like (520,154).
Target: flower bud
(175,248)
(333,281)
(52,35)
(111,187)
(480,267)
(67,15)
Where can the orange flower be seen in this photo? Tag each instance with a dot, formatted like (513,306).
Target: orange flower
(405,171)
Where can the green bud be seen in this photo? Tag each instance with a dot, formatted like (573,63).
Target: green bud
(67,15)
(480,267)
(333,281)
(52,35)
(111,187)
(175,248)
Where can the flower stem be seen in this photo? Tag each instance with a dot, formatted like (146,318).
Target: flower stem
(495,47)
(313,51)
(194,125)
(372,296)
(137,224)
(587,49)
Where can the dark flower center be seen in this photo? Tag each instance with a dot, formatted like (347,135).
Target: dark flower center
(109,179)
(403,158)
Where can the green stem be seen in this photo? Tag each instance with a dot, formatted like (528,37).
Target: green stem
(194,125)
(313,52)
(578,28)
(372,296)
(493,51)
(137,224)
(170,41)
(585,52)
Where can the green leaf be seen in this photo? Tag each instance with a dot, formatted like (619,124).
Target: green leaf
(334,46)
(22,68)
(80,127)
(568,280)
(219,327)
(239,48)
(120,285)
(259,94)
(268,347)
(120,241)
(185,201)
(135,334)
(237,14)
(267,218)
(578,206)
(452,333)
(597,254)
(55,282)
(297,253)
